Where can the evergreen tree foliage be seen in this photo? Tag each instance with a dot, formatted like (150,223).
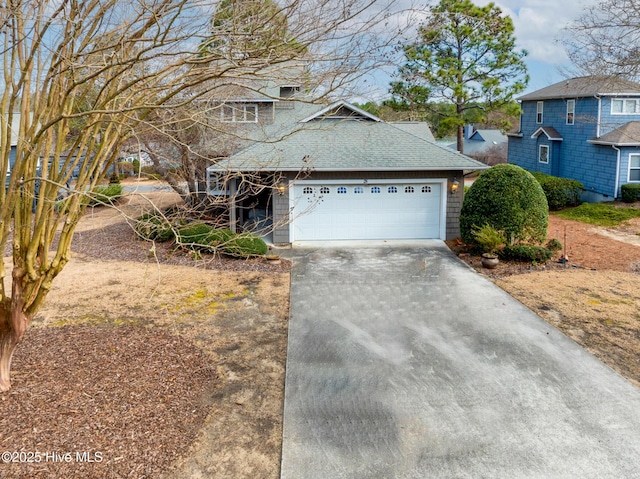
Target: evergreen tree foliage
(466,56)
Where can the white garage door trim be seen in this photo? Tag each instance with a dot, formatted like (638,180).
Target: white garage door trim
(297,185)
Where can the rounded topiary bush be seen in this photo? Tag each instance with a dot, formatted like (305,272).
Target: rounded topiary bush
(509,199)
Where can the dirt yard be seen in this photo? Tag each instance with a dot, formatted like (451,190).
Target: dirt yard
(146,363)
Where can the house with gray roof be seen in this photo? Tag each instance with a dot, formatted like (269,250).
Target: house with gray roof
(478,142)
(341,173)
(585,128)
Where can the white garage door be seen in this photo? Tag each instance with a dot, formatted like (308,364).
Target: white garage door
(377,210)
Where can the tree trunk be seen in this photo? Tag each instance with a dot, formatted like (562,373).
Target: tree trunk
(8,343)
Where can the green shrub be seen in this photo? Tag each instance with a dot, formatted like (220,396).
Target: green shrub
(524,252)
(509,199)
(202,236)
(245,245)
(630,193)
(553,245)
(136,166)
(104,195)
(489,239)
(560,192)
(154,226)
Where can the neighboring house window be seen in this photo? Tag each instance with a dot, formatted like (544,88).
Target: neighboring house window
(239,113)
(375,189)
(392,189)
(625,106)
(324,190)
(543,154)
(358,190)
(634,167)
(571,111)
(539,112)
(342,190)
(307,190)
(218,184)
(426,189)
(408,189)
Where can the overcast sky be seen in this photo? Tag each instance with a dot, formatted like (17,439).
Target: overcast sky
(538,25)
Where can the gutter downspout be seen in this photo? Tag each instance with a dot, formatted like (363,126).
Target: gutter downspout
(615,195)
(599,115)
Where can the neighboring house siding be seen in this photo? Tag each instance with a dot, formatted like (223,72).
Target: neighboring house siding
(454,201)
(610,121)
(573,157)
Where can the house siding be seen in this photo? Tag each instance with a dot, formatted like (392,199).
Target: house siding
(573,157)
(453,206)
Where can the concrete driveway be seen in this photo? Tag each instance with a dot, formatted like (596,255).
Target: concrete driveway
(405,363)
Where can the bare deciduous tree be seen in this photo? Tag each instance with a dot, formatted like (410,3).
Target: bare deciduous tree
(605,40)
(81,78)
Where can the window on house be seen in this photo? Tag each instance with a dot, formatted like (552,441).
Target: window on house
(392,189)
(409,189)
(358,190)
(571,111)
(342,190)
(239,113)
(324,190)
(217,184)
(634,167)
(375,189)
(426,189)
(543,154)
(307,190)
(539,112)
(625,106)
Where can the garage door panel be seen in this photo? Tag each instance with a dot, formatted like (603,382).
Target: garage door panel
(378,211)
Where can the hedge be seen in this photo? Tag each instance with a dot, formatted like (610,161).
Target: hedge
(630,193)
(560,192)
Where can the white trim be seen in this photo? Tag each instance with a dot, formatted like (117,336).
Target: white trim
(375,181)
(629,180)
(615,195)
(624,101)
(339,104)
(243,108)
(571,111)
(540,147)
(540,112)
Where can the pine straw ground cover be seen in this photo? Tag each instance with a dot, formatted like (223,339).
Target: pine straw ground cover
(150,363)
(104,391)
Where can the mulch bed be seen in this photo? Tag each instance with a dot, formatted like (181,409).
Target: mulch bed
(119,242)
(132,410)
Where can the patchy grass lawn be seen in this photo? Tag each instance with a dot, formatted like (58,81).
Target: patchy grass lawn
(601,214)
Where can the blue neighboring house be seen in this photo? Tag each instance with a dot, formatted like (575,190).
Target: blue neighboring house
(587,129)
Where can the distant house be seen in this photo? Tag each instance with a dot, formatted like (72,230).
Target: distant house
(336,172)
(587,129)
(479,142)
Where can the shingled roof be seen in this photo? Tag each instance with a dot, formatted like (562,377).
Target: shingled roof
(343,144)
(626,135)
(588,86)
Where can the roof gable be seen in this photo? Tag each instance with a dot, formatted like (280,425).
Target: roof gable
(343,111)
(550,132)
(582,87)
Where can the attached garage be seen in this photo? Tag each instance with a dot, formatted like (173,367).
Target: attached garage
(344,174)
(358,210)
